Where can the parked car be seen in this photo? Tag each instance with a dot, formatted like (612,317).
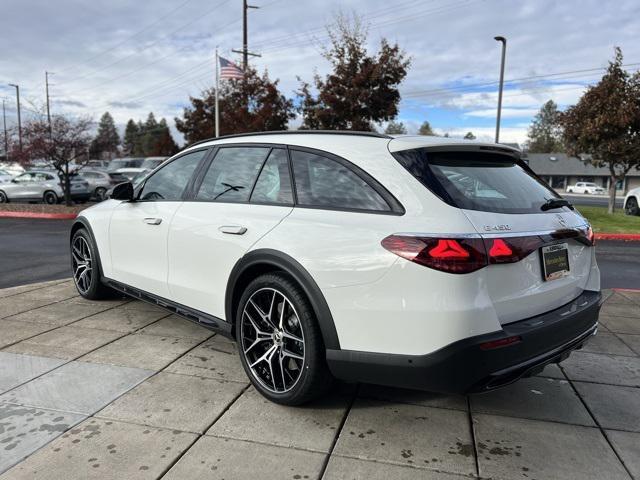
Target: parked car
(12,168)
(421,262)
(152,162)
(632,202)
(32,186)
(585,187)
(127,162)
(131,173)
(5,176)
(100,182)
(97,164)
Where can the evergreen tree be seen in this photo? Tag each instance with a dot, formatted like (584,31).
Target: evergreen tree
(545,134)
(469,136)
(131,133)
(425,129)
(106,142)
(163,144)
(395,128)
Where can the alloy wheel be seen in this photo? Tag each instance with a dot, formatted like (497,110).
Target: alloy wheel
(3,197)
(82,264)
(272,340)
(50,198)
(631,208)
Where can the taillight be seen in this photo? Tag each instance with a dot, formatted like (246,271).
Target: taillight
(511,249)
(452,255)
(503,342)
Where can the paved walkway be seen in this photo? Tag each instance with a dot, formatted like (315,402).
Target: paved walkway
(121,389)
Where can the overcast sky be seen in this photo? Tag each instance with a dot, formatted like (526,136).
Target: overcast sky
(131,57)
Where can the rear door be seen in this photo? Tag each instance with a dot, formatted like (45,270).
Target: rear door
(504,200)
(138,230)
(243,194)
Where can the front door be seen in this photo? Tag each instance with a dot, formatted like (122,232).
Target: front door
(138,229)
(245,193)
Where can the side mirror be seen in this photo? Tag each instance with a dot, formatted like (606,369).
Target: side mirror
(123,191)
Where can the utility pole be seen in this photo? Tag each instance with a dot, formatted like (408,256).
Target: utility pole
(6,139)
(245,37)
(504,51)
(46,81)
(17,87)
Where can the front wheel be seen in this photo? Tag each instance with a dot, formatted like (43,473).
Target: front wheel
(3,197)
(50,198)
(632,208)
(101,194)
(279,341)
(570,190)
(85,267)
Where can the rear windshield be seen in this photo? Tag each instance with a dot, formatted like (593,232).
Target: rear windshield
(485,181)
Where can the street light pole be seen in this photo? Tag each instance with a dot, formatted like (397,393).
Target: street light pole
(6,138)
(17,87)
(504,51)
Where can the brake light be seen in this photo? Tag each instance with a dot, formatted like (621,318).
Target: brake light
(452,255)
(503,342)
(512,249)
(500,249)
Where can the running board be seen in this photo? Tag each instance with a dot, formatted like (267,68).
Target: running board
(208,321)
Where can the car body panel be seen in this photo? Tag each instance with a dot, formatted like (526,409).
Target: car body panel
(31,186)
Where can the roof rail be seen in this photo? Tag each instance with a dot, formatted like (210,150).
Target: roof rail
(297,132)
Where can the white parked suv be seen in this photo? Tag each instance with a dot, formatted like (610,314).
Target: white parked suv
(585,187)
(421,262)
(632,202)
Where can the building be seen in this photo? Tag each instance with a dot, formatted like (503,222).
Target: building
(560,170)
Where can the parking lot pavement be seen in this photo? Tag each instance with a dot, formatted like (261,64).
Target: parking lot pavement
(121,389)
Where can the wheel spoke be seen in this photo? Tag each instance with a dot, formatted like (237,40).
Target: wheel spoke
(264,356)
(290,336)
(256,342)
(287,353)
(254,324)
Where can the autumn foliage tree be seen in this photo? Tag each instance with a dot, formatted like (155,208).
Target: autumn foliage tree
(605,124)
(361,89)
(250,104)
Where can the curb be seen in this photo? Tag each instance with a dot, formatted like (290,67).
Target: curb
(49,216)
(627,237)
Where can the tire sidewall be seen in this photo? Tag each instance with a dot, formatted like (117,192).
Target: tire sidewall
(313,345)
(92,291)
(100,193)
(3,197)
(50,195)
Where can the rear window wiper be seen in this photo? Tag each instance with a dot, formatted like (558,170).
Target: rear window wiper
(555,203)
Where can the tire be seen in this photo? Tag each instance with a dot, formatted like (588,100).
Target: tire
(3,197)
(84,259)
(631,207)
(50,198)
(100,194)
(279,376)
(570,190)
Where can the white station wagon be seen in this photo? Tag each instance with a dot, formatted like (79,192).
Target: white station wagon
(421,262)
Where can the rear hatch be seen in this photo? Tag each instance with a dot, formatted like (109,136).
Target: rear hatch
(505,202)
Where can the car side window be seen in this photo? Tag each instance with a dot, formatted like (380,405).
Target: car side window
(232,174)
(24,178)
(274,181)
(323,182)
(169,182)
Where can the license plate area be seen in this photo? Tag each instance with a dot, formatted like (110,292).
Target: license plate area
(555,261)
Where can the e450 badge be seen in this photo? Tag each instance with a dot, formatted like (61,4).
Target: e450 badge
(497,228)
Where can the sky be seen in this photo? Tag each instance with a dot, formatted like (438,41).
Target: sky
(132,57)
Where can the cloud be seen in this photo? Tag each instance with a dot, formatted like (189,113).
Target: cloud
(127,105)
(71,103)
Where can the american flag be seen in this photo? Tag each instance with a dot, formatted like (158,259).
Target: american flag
(229,69)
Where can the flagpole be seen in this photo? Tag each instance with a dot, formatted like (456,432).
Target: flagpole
(217,89)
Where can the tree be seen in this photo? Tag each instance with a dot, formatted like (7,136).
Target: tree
(425,129)
(164,145)
(605,124)
(362,89)
(250,104)
(545,134)
(67,142)
(107,140)
(395,128)
(469,136)
(131,134)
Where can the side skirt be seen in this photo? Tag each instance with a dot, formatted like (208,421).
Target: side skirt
(208,321)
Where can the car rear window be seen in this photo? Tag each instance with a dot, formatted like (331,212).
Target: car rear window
(472,180)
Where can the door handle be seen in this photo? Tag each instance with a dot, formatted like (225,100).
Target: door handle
(233,229)
(152,221)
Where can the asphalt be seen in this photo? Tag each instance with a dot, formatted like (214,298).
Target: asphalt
(592,200)
(37,251)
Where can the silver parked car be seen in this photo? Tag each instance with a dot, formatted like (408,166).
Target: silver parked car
(5,176)
(100,181)
(32,186)
(126,162)
(152,162)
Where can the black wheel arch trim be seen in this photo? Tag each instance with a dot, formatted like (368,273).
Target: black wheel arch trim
(286,263)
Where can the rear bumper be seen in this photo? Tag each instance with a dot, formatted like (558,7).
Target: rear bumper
(465,367)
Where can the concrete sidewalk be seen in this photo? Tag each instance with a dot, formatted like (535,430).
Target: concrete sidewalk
(120,389)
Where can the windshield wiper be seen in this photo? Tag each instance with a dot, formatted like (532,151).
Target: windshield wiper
(555,203)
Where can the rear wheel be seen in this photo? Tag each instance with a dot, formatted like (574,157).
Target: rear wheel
(631,208)
(86,268)
(279,341)
(3,197)
(100,193)
(50,198)
(570,190)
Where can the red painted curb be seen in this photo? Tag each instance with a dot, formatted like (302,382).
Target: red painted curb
(626,289)
(629,237)
(50,216)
